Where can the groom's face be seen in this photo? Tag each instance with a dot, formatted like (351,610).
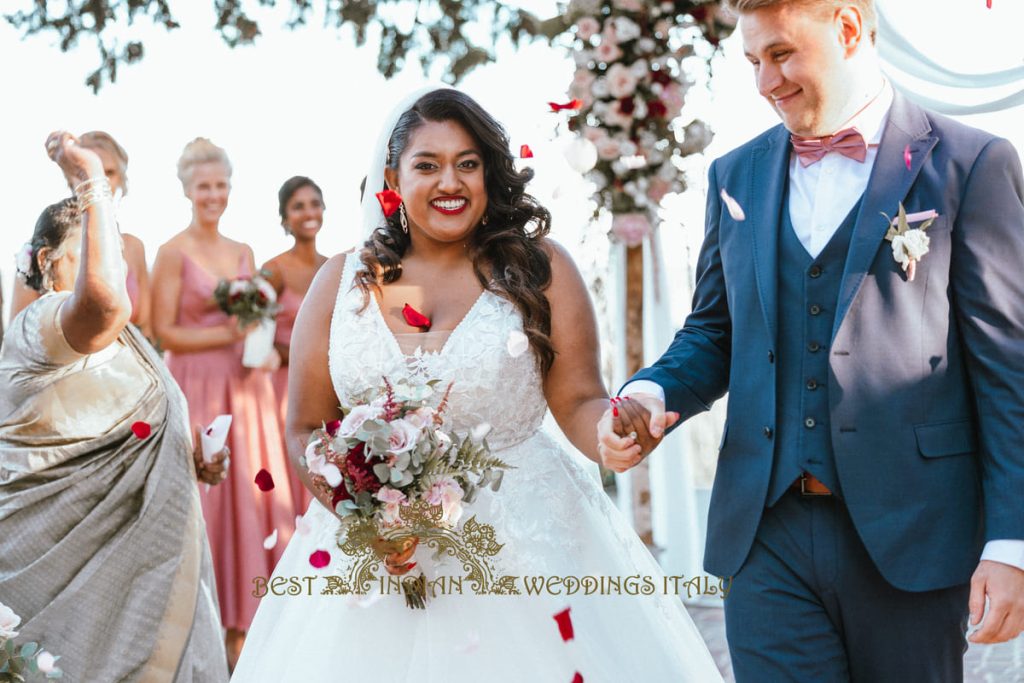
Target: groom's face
(801,58)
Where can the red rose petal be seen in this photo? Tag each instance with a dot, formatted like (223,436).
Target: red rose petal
(141,429)
(414,318)
(988,3)
(264,481)
(573,105)
(332,427)
(564,624)
(578,678)
(389,201)
(320,559)
(907,158)
(525,152)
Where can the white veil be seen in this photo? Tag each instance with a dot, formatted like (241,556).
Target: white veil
(373,215)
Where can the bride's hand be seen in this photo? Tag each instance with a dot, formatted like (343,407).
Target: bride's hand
(617,453)
(644,420)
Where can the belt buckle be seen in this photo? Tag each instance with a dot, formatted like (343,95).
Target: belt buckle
(805,492)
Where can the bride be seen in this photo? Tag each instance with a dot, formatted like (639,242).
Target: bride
(468,249)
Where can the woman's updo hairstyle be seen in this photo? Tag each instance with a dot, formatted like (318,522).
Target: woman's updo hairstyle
(98,139)
(508,256)
(200,151)
(289,188)
(55,223)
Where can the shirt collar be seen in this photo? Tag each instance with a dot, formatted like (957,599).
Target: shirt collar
(871,120)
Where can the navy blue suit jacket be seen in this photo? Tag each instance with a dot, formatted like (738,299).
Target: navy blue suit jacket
(926,378)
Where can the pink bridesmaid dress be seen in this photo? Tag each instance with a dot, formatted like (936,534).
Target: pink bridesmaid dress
(239,516)
(290,302)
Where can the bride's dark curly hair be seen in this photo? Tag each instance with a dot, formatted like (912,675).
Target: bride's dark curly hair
(509,247)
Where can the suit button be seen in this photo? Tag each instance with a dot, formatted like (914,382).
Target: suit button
(809,423)
(814,347)
(771,356)
(815,309)
(812,384)
(767,432)
(815,271)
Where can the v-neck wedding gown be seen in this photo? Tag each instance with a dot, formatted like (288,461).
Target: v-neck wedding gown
(552,516)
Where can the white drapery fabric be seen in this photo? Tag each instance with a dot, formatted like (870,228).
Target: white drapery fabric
(901,57)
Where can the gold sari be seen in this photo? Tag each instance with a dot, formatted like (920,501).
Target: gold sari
(103,550)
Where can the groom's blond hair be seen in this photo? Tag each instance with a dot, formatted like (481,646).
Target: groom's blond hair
(866,7)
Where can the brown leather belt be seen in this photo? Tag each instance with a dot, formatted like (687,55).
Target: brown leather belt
(809,485)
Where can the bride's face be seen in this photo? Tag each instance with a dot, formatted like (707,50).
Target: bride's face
(441,180)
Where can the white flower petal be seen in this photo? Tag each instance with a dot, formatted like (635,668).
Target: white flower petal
(332,474)
(733,206)
(45,661)
(480,432)
(270,541)
(518,343)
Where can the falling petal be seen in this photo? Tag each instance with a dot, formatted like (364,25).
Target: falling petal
(525,152)
(988,3)
(907,156)
(301,525)
(45,662)
(517,344)
(264,481)
(270,541)
(578,678)
(733,206)
(480,432)
(141,429)
(389,202)
(573,105)
(320,559)
(472,644)
(564,624)
(414,318)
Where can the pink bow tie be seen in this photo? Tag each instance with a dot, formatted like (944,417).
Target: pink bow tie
(849,142)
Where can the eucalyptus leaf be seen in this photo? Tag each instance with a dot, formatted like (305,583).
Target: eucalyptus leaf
(28,649)
(382,471)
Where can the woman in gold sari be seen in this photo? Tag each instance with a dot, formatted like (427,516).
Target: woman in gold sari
(103,552)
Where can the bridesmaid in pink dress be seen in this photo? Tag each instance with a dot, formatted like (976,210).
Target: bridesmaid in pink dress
(301,205)
(205,356)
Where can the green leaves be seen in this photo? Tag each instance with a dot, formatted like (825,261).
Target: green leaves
(443,31)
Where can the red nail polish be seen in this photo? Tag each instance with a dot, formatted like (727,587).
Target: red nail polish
(615,412)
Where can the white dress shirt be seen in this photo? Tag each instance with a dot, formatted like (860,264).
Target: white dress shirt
(820,197)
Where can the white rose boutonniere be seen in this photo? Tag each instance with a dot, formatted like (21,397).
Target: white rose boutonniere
(909,245)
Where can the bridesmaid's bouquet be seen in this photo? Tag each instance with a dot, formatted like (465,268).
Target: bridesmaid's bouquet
(391,452)
(251,300)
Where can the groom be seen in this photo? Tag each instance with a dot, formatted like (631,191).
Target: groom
(870,484)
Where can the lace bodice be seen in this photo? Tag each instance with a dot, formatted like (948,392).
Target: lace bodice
(493,382)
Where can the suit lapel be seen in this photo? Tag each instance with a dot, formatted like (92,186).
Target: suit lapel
(889,184)
(769,171)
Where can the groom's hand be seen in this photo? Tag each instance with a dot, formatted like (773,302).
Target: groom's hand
(631,429)
(1003,584)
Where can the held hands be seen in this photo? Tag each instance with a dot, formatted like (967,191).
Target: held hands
(1003,584)
(630,429)
(77,162)
(213,472)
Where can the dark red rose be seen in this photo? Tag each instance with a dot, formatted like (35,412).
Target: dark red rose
(340,493)
(627,105)
(661,76)
(359,470)
(656,109)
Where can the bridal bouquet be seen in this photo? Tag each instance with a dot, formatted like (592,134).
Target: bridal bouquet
(390,452)
(251,300)
(21,662)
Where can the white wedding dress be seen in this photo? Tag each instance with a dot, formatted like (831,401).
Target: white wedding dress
(551,515)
